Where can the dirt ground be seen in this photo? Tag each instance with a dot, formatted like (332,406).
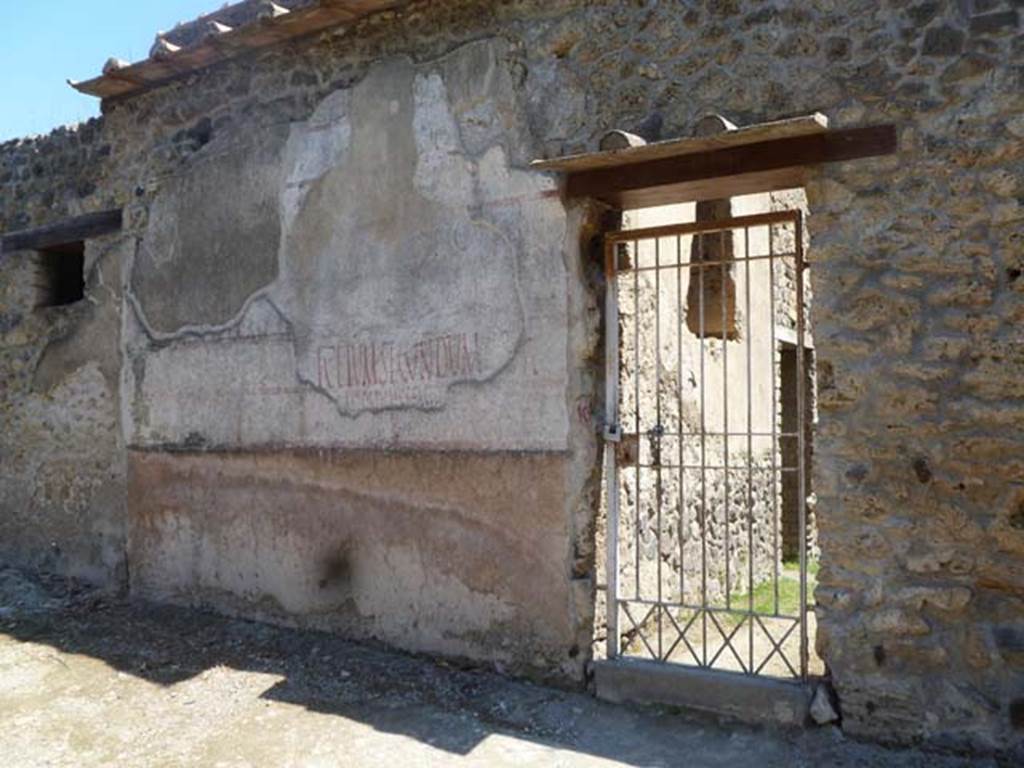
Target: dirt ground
(90,680)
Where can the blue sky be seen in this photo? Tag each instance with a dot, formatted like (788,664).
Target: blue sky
(43,43)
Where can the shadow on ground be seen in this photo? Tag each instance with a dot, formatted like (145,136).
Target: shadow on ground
(208,671)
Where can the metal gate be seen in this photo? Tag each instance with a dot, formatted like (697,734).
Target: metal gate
(707,445)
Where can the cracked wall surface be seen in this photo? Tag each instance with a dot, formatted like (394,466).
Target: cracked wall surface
(399,278)
(212,237)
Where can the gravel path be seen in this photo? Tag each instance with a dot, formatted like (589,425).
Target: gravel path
(88,680)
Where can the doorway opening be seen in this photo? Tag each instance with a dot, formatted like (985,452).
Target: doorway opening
(711,550)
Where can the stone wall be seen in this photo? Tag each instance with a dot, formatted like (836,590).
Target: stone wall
(916,279)
(47,178)
(63,479)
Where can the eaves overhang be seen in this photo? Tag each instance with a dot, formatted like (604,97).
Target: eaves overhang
(232,31)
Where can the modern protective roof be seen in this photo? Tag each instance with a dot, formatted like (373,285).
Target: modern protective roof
(233,30)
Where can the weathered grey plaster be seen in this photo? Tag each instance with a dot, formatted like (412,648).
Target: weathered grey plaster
(415,265)
(212,235)
(429,291)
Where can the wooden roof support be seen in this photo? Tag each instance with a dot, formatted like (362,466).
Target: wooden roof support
(713,173)
(269,24)
(68,231)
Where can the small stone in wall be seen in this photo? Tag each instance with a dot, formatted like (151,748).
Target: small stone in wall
(923,13)
(922,470)
(993,23)
(942,41)
(1017,714)
(977,651)
(896,621)
(822,712)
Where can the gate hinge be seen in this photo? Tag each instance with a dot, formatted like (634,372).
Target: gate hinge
(613,433)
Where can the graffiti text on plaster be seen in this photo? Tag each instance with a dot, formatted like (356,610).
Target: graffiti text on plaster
(387,364)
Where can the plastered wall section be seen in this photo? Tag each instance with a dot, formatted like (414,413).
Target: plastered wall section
(381,277)
(385,276)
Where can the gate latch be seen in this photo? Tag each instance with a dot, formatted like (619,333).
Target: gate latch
(612,433)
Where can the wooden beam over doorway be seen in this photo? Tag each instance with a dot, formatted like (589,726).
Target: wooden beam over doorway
(726,169)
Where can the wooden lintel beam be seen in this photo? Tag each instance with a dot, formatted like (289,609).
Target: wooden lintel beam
(68,231)
(706,189)
(723,172)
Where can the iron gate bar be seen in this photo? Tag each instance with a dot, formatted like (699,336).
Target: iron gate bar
(731,434)
(706,264)
(714,609)
(679,417)
(703,471)
(643,621)
(709,263)
(726,643)
(612,434)
(724,323)
(775,408)
(776,647)
(657,401)
(749,617)
(636,407)
(713,466)
(750,443)
(701,227)
(682,635)
(801,491)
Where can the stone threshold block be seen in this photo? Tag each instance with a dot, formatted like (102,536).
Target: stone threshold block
(729,694)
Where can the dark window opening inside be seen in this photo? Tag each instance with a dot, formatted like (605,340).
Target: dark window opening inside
(61,275)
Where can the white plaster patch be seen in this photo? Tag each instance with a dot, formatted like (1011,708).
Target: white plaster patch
(442,170)
(313,148)
(404,294)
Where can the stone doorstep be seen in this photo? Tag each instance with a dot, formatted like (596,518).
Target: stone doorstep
(729,694)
